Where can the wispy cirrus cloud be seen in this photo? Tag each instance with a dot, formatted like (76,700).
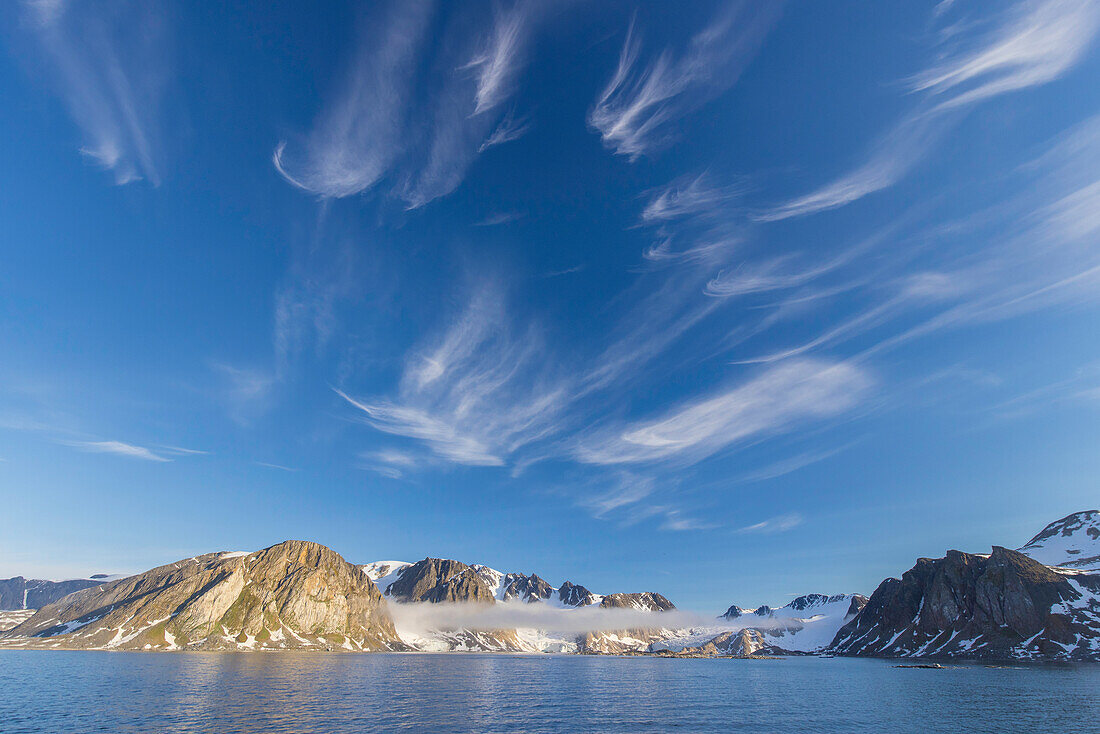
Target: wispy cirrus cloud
(382,126)
(788,394)
(691,196)
(497,64)
(510,128)
(269,465)
(792,464)
(777,524)
(633,499)
(633,112)
(360,135)
(109,66)
(477,392)
(117,448)
(1035,43)
(891,158)
(1029,44)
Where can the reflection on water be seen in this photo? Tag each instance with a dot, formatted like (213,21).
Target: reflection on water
(302,692)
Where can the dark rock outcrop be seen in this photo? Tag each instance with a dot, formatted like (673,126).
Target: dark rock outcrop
(572,595)
(733,612)
(1000,606)
(646,600)
(440,580)
(527,588)
(858,602)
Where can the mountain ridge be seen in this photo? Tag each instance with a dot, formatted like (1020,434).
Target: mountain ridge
(1008,604)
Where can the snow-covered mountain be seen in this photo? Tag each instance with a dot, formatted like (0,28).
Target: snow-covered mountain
(517,596)
(1072,542)
(806,624)
(21,593)
(1040,602)
(502,587)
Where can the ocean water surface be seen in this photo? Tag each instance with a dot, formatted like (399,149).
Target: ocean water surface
(55,691)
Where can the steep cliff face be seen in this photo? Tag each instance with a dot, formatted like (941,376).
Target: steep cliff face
(571,595)
(525,588)
(439,580)
(1001,606)
(292,595)
(21,593)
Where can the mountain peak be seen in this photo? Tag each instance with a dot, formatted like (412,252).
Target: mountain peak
(1072,542)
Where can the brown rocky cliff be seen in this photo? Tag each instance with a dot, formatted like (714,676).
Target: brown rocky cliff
(294,594)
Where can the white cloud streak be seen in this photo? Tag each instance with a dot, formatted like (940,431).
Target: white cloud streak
(785,395)
(687,197)
(357,139)
(1032,44)
(109,67)
(382,126)
(117,448)
(476,393)
(1036,44)
(778,524)
(498,64)
(633,112)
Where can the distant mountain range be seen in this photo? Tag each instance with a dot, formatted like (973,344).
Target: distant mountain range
(21,593)
(1040,602)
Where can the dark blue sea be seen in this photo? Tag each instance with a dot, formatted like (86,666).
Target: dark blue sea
(47,691)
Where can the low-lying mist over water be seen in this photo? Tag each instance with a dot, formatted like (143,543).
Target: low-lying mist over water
(521,615)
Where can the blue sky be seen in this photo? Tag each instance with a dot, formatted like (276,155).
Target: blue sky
(729,301)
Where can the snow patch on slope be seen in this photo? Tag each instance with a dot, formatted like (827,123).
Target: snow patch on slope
(1072,542)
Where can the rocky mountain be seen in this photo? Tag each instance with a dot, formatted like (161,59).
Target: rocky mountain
(571,595)
(806,624)
(647,601)
(1072,542)
(292,595)
(1002,606)
(21,593)
(438,580)
(435,580)
(1041,602)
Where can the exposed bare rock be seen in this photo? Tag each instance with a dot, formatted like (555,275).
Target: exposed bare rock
(294,594)
(572,595)
(649,601)
(1001,606)
(527,588)
(858,602)
(440,580)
